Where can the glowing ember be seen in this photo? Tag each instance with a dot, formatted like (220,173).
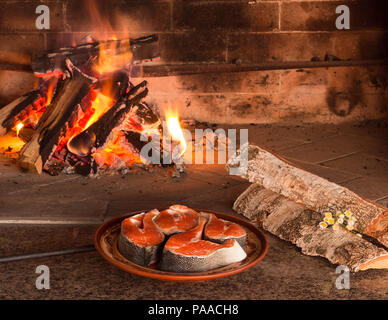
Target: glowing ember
(176,132)
(99,106)
(19,127)
(117,153)
(10,143)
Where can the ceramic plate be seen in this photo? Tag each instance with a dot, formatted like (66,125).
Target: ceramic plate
(108,233)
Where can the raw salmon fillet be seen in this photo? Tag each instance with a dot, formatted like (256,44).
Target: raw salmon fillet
(177,219)
(140,239)
(187,252)
(219,230)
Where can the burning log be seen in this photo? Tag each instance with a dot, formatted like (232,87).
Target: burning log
(54,121)
(119,131)
(295,223)
(10,111)
(140,49)
(19,110)
(314,192)
(26,134)
(116,85)
(96,113)
(97,133)
(117,114)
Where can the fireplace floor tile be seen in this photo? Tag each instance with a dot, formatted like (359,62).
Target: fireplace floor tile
(323,150)
(72,198)
(301,134)
(372,188)
(362,164)
(331,174)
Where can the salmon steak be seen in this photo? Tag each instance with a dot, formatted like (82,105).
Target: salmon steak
(141,240)
(176,219)
(188,252)
(219,230)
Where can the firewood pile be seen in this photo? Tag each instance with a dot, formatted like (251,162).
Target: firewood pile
(86,114)
(309,211)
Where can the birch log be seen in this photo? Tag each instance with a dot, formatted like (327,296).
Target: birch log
(295,223)
(314,192)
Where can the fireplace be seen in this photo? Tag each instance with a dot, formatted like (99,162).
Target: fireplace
(262,110)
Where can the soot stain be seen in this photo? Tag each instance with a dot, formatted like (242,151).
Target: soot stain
(342,103)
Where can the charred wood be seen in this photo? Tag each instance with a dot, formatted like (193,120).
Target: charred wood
(10,111)
(140,49)
(97,133)
(54,122)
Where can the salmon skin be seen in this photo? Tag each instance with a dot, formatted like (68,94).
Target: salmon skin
(187,252)
(219,230)
(176,219)
(140,239)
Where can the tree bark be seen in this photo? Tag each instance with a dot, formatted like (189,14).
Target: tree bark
(314,192)
(295,223)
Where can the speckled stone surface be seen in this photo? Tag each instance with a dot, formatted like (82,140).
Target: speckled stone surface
(283,274)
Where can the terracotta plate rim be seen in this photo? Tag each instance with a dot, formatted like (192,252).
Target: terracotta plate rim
(183,277)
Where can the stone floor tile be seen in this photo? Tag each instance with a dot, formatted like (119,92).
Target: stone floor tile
(323,150)
(330,174)
(172,189)
(361,164)
(371,188)
(376,130)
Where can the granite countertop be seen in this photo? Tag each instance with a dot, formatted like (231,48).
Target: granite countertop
(284,273)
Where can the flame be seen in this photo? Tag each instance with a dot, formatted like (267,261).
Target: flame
(29,116)
(50,92)
(102,26)
(100,105)
(110,58)
(175,130)
(10,143)
(117,153)
(19,127)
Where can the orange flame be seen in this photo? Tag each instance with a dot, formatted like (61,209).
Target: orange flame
(50,92)
(175,130)
(117,153)
(100,105)
(19,127)
(110,59)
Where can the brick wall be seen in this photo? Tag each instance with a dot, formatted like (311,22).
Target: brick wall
(230,31)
